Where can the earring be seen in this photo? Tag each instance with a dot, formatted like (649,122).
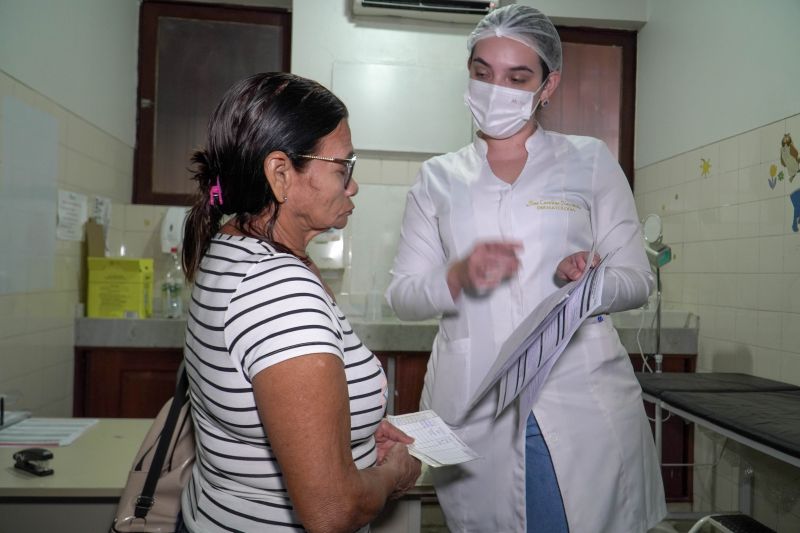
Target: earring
(545,103)
(285,198)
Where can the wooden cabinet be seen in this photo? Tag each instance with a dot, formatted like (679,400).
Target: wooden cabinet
(406,374)
(135,382)
(677,435)
(178,91)
(124,382)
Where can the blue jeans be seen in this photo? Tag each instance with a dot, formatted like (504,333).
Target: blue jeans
(543,505)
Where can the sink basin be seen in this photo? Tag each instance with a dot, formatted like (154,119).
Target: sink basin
(646,319)
(679,331)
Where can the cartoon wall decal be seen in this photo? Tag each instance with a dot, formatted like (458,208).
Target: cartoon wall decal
(795,199)
(789,156)
(790,159)
(705,167)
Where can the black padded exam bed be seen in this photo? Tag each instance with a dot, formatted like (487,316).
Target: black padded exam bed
(757,412)
(657,384)
(771,418)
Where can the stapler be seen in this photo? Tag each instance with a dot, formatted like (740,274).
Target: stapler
(34,460)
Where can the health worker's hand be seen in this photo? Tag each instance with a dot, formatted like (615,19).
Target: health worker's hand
(571,267)
(487,265)
(386,436)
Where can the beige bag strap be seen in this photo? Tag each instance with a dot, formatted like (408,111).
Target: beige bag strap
(145,500)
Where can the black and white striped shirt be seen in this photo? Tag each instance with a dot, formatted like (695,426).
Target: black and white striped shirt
(253,307)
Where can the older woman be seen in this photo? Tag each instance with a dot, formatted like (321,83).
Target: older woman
(286,401)
(490,231)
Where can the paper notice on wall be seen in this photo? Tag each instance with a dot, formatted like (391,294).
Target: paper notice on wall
(72,214)
(101,214)
(101,211)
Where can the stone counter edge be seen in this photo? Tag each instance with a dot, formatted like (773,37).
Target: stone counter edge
(377,336)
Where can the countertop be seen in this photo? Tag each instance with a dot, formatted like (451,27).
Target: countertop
(387,334)
(96,465)
(679,332)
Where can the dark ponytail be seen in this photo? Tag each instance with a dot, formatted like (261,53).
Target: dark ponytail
(204,219)
(274,111)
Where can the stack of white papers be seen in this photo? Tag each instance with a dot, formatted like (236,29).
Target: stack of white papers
(45,431)
(526,358)
(12,417)
(434,443)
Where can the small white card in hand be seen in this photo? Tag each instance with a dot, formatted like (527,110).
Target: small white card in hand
(434,444)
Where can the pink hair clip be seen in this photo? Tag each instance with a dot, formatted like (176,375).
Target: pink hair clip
(215,194)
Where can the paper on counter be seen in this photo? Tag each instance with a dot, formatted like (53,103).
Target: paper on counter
(45,431)
(435,444)
(12,417)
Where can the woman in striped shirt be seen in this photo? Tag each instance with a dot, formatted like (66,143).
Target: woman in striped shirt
(287,403)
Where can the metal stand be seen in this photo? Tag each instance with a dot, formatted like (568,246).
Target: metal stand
(658,356)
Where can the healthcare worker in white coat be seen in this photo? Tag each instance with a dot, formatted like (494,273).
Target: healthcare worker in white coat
(488,232)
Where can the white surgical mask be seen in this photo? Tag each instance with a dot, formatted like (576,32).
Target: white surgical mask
(498,111)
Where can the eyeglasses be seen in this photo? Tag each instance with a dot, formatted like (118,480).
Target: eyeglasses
(348,164)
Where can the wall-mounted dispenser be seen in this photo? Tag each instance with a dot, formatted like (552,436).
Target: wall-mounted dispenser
(172,228)
(327,249)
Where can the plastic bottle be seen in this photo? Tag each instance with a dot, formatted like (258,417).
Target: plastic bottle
(172,287)
(374,303)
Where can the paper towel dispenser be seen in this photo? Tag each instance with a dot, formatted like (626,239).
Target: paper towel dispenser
(172,228)
(327,249)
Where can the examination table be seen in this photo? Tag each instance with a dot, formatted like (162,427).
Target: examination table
(760,413)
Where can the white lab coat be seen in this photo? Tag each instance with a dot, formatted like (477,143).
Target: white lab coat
(590,409)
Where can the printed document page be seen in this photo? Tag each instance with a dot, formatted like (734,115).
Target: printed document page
(45,431)
(9,418)
(435,444)
(526,358)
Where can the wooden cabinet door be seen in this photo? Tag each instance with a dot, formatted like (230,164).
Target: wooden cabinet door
(406,378)
(124,383)
(409,378)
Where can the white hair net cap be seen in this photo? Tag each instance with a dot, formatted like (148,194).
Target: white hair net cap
(524,24)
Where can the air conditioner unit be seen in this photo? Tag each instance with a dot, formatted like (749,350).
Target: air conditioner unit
(464,11)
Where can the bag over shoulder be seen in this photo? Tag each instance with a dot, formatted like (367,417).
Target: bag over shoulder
(151,500)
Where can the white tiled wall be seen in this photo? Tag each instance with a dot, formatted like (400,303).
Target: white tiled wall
(372,234)
(36,328)
(737,260)
(737,265)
